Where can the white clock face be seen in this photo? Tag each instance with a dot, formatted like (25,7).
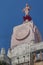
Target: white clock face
(22,33)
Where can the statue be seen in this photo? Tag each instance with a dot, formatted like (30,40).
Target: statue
(26,10)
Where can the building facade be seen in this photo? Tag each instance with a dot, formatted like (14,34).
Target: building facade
(26,43)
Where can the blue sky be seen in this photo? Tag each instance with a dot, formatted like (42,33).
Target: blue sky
(11,15)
